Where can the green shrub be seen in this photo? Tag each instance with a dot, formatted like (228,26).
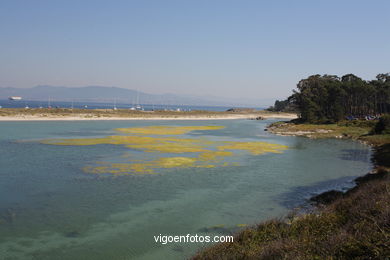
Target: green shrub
(383,126)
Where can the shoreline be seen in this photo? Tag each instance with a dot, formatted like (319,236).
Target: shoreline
(286,129)
(323,209)
(94,115)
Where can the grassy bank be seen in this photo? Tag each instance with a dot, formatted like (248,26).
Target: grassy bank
(343,129)
(351,225)
(356,130)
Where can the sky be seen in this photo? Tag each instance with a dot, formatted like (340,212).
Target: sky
(224,48)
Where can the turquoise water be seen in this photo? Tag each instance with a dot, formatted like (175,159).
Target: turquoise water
(51,209)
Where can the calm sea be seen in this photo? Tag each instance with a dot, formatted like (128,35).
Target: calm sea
(52,208)
(96,105)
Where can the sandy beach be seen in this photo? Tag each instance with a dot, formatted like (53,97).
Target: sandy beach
(67,115)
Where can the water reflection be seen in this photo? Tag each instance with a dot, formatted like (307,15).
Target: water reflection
(357,155)
(297,196)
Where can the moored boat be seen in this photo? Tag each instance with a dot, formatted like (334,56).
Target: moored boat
(15,98)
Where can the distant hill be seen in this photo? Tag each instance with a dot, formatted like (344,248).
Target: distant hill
(122,95)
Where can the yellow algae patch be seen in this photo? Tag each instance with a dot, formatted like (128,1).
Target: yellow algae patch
(115,139)
(96,169)
(214,155)
(120,169)
(149,144)
(209,153)
(204,160)
(173,162)
(168,148)
(165,130)
(254,148)
(147,167)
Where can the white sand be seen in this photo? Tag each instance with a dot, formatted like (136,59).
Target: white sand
(85,117)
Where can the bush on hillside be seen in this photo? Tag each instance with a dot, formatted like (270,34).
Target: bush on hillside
(383,126)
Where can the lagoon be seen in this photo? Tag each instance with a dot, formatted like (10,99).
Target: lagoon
(99,198)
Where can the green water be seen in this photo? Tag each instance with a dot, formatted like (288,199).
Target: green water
(51,209)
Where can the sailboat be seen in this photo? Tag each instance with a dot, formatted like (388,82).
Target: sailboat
(138,107)
(132,105)
(115,105)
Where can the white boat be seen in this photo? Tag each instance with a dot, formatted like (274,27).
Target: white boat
(15,98)
(138,106)
(115,108)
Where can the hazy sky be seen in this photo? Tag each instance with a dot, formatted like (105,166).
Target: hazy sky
(223,48)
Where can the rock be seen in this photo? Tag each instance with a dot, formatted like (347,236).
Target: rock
(323,131)
(375,174)
(327,197)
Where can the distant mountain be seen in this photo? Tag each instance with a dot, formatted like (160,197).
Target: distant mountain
(122,95)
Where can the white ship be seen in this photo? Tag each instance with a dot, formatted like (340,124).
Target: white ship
(15,98)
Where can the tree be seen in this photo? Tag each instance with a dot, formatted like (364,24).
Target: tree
(329,98)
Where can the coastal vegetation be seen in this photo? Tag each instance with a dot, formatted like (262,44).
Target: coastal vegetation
(355,226)
(283,106)
(383,126)
(342,225)
(329,98)
(343,129)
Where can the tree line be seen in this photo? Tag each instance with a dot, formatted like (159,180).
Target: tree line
(329,98)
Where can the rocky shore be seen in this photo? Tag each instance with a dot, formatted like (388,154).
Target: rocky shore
(343,225)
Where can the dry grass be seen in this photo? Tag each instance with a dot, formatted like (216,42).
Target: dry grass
(357,226)
(352,225)
(345,129)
